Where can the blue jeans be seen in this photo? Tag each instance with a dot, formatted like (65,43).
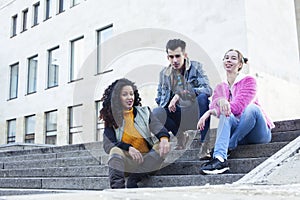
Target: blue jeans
(184,118)
(251,128)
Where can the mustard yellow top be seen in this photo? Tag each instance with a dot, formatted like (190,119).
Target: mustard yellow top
(131,135)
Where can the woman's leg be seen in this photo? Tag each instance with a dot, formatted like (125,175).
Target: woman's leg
(225,127)
(152,162)
(116,164)
(252,128)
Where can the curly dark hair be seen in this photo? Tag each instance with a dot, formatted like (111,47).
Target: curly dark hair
(112,110)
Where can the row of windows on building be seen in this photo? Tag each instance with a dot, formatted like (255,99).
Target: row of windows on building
(50,8)
(77,55)
(50,126)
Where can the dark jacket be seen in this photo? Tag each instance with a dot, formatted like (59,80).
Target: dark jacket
(144,122)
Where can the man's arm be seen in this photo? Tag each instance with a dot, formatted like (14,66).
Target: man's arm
(201,85)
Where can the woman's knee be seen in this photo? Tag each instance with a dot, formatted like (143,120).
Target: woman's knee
(116,152)
(251,109)
(158,111)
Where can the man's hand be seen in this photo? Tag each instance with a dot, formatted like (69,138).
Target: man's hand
(164,147)
(173,102)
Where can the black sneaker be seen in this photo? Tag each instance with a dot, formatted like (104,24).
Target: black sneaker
(214,166)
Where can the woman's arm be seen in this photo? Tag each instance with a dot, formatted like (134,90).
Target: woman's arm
(245,93)
(110,141)
(205,116)
(220,93)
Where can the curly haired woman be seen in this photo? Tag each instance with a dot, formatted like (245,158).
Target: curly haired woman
(127,135)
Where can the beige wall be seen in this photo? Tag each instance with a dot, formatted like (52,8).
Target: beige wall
(264,30)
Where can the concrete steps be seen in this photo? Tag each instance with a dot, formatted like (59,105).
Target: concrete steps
(190,180)
(72,183)
(73,171)
(83,166)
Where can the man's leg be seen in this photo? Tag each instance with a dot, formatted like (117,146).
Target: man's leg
(203,104)
(170,120)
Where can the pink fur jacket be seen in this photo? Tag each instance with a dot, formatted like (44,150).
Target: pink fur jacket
(241,94)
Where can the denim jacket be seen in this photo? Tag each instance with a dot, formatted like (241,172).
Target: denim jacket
(194,76)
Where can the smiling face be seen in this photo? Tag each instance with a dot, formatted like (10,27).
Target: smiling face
(127,97)
(176,58)
(231,62)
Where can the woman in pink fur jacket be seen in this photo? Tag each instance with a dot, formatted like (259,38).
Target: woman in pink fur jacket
(241,118)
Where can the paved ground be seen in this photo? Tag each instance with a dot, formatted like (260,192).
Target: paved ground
(224,192)
(282,183)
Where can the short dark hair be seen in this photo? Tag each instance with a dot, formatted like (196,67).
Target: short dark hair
(174,44)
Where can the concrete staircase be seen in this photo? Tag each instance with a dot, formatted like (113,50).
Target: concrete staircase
(83,166)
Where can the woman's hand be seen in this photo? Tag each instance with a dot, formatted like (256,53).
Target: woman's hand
(224,107)
(164,147)
(172,104)
(136,155)
(201,122)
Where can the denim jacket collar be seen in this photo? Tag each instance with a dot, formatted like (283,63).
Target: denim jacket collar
(169,69)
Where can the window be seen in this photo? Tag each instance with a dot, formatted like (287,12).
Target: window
(75,2)
(36,14)
(13,86)
(77,52)
(61,6)
(51,127)
(75,123)
(29,129)
(11,131)
(53,67)
(32,71)
(24,22)
(49,8)
(99,124)
(14,25)
(102,35)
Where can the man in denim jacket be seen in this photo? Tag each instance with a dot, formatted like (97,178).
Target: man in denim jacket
(182,93)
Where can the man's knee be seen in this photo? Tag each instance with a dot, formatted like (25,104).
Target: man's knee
(202,99)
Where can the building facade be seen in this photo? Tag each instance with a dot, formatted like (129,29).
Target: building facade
(57,56)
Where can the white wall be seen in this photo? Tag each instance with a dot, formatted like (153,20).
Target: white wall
(274,55)
(210,28)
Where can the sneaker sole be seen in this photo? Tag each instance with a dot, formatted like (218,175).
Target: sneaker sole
(216,171)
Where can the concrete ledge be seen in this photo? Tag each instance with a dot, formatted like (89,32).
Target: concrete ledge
(34,183)
(61,162)
(22,146)
(81,171)
(190,180)
(288,125)
(259,173)
(237,166)
(90,183)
